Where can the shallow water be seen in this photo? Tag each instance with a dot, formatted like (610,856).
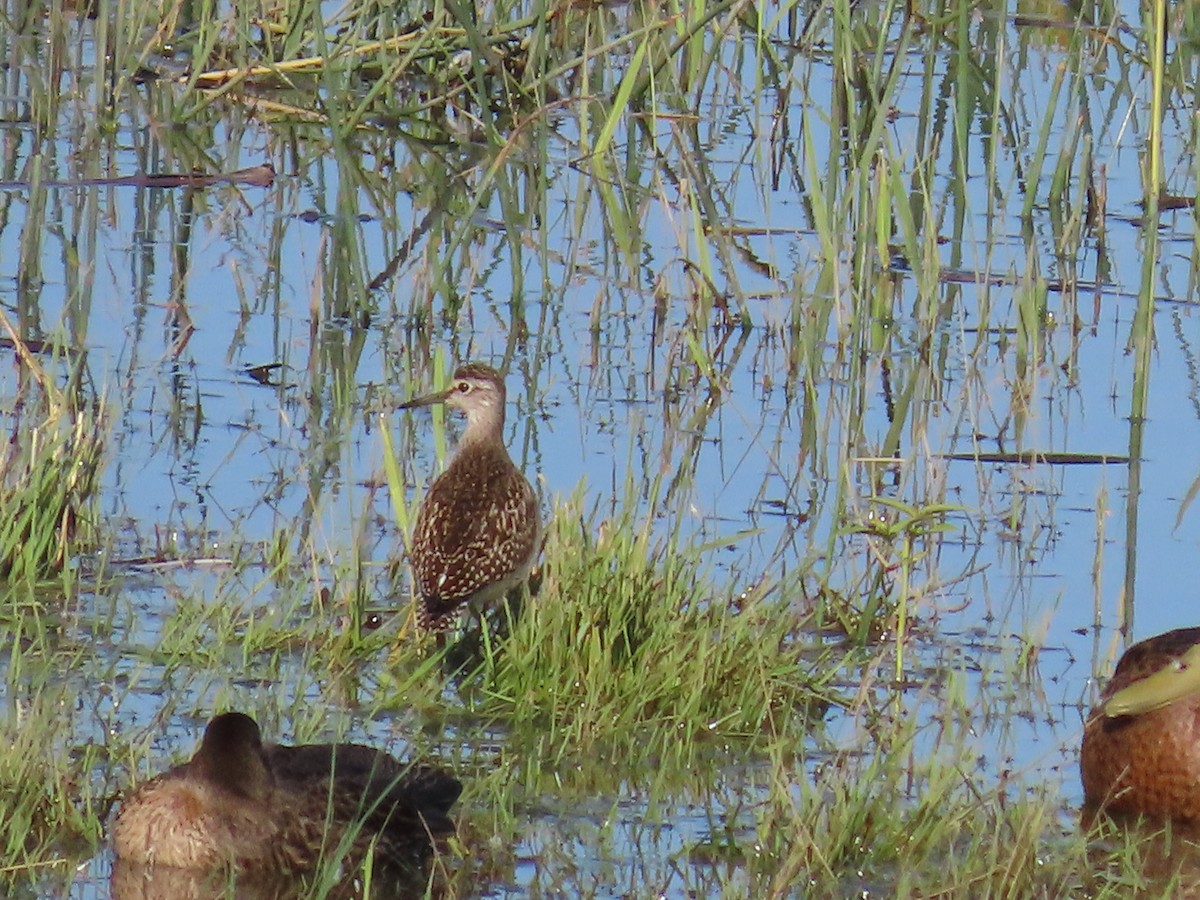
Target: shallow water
(173,296)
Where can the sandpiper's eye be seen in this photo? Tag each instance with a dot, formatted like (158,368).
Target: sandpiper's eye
(464,387)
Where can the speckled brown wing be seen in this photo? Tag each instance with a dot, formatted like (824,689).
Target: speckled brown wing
(409,802)
(1146,764)
(476,530)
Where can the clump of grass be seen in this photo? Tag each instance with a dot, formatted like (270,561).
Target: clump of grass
(49,473)
(905,811)
(629,645)
(862,825)
(49,810)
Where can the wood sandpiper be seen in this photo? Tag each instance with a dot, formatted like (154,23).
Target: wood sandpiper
(479,528)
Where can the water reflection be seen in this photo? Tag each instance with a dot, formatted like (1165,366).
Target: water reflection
(723,301)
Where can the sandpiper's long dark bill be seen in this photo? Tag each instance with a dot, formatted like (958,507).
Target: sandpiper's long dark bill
(427,400)
(478,530)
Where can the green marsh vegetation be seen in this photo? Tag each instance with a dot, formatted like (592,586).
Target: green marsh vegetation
(769,281)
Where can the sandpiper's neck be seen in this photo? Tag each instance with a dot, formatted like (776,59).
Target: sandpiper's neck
(485,425)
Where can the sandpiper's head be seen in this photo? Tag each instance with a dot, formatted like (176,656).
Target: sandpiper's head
(231,756)
(477,390)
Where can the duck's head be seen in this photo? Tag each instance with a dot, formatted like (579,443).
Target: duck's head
(231,757)
(1177,679)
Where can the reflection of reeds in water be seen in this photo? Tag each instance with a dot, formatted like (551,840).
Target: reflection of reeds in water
(485,180)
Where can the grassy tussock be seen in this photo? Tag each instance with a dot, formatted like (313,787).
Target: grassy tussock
(630,645)
(44,787)
(49,471)
(923,824)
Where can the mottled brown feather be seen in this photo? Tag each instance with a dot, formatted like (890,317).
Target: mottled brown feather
(478,529)
(1146,764)
(277,810)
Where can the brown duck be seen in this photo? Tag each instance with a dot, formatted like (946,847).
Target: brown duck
(277,810)
(1141,744)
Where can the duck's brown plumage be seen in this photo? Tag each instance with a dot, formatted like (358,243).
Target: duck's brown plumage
(275,809)
(1146,763)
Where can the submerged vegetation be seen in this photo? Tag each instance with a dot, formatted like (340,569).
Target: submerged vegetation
(801,308)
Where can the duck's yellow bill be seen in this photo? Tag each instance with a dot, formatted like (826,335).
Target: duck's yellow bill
(1178,679)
